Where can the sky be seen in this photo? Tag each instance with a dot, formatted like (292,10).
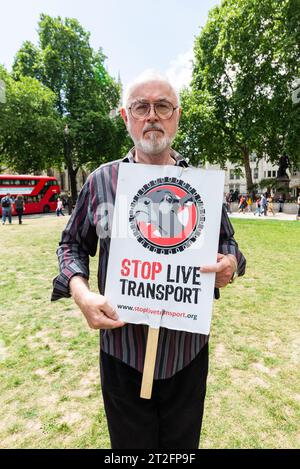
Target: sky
(134,34)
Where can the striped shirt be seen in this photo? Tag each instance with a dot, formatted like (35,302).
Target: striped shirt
(92,220)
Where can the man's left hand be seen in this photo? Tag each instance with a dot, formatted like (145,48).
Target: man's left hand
(225,267)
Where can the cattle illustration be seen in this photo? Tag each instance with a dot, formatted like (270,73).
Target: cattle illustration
(163,209)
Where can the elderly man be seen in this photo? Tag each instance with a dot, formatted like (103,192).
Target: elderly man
(172,417)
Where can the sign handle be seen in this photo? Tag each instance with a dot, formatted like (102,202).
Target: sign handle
(149,365)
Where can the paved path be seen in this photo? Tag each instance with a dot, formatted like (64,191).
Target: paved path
(277,216)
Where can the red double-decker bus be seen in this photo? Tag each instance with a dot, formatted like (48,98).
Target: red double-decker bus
(39,192)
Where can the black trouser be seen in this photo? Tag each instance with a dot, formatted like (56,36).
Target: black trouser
(20,214)
(171,419)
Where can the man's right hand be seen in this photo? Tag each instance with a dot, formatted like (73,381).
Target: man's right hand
(98,312)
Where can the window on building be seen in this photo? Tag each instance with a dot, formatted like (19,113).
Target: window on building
(269,174)
(274,174)
(62,181)
(235,174)
(255,173)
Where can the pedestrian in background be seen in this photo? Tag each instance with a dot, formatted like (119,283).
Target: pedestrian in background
(6,205)
(20,207)
(263,205)
(228,199)
(281,202)
(249,202)
(257,206)
(59,208)
(270,206)
(70,204)
(242,204)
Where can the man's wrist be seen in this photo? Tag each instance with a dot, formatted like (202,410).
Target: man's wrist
(79,287)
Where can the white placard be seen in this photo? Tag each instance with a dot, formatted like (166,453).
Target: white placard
(166,224)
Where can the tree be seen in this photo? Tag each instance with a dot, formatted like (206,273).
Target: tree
(28,62)
(246,59)
(29,125)
(85,92)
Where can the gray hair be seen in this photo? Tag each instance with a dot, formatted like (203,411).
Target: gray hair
(145,77)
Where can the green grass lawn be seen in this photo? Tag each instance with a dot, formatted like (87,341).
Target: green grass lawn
(49,378)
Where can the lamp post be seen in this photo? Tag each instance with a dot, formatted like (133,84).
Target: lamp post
(69,168)
(67,152)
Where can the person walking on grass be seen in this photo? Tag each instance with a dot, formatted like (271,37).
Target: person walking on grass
(6,206)
(20,207)
(172,418)
(59,208)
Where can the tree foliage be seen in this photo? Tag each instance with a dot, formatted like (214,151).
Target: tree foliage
(28,62)
(85,93)
(29,125)
(246,60)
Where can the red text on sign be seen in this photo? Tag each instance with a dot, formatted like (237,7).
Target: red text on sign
(146,270)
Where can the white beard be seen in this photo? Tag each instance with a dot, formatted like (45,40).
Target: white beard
(153,145)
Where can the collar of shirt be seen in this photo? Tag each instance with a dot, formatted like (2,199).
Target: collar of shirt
(179,160)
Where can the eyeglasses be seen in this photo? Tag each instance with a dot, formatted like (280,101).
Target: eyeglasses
(141,109)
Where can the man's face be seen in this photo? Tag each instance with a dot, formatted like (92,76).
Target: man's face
(152,134)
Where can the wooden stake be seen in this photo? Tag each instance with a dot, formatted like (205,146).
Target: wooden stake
(149,365)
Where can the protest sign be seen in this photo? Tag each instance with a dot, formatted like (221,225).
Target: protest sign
(166,225)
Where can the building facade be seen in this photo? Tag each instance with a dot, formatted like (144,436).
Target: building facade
(261,169)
